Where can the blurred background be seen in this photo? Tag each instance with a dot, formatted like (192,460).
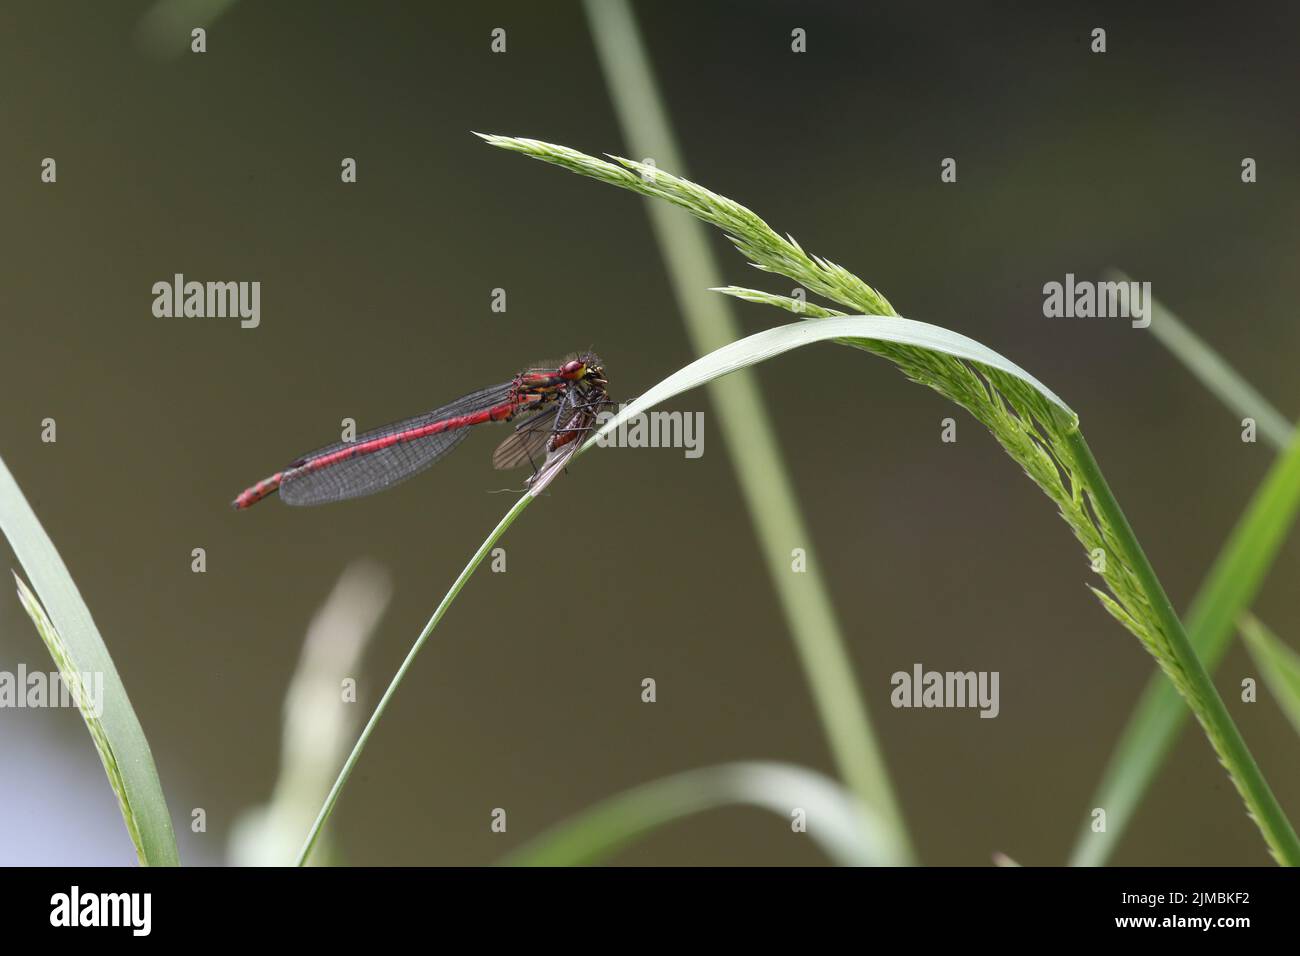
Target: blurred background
(376,305)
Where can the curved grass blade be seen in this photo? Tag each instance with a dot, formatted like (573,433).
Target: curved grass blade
(755,348)
(1245,562)
(1035,431)
(1112,532)
(938,357)
(1229,589)
(1279,664)
(1033,427)
(77,648)
(862,331)
(836,819)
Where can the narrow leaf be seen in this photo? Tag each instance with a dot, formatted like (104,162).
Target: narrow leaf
(1033,427)
(74,642)
(852,330)
(1229,589)
(834,819)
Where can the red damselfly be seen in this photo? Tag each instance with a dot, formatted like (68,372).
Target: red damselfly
(560,406)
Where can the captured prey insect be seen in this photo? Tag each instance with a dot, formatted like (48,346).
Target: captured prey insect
(560,407)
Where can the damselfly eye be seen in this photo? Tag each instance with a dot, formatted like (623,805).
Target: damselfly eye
(571,368)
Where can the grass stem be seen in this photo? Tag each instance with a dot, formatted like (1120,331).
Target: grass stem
(328,808)
(1185,670)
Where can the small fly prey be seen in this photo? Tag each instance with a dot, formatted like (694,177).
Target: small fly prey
(559,408)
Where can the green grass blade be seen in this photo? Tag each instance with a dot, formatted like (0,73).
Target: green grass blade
(66,627)
(973,374)
(327,809)
(1158,627)
(1033,427)
(1279,664)
(1214,372)
(836,820)
(745,425)
(858,330)
(1182,665)
(1229,589)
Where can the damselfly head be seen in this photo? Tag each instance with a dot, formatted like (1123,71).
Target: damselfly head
(593,369)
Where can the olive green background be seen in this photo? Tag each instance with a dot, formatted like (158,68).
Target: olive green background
(375,305)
